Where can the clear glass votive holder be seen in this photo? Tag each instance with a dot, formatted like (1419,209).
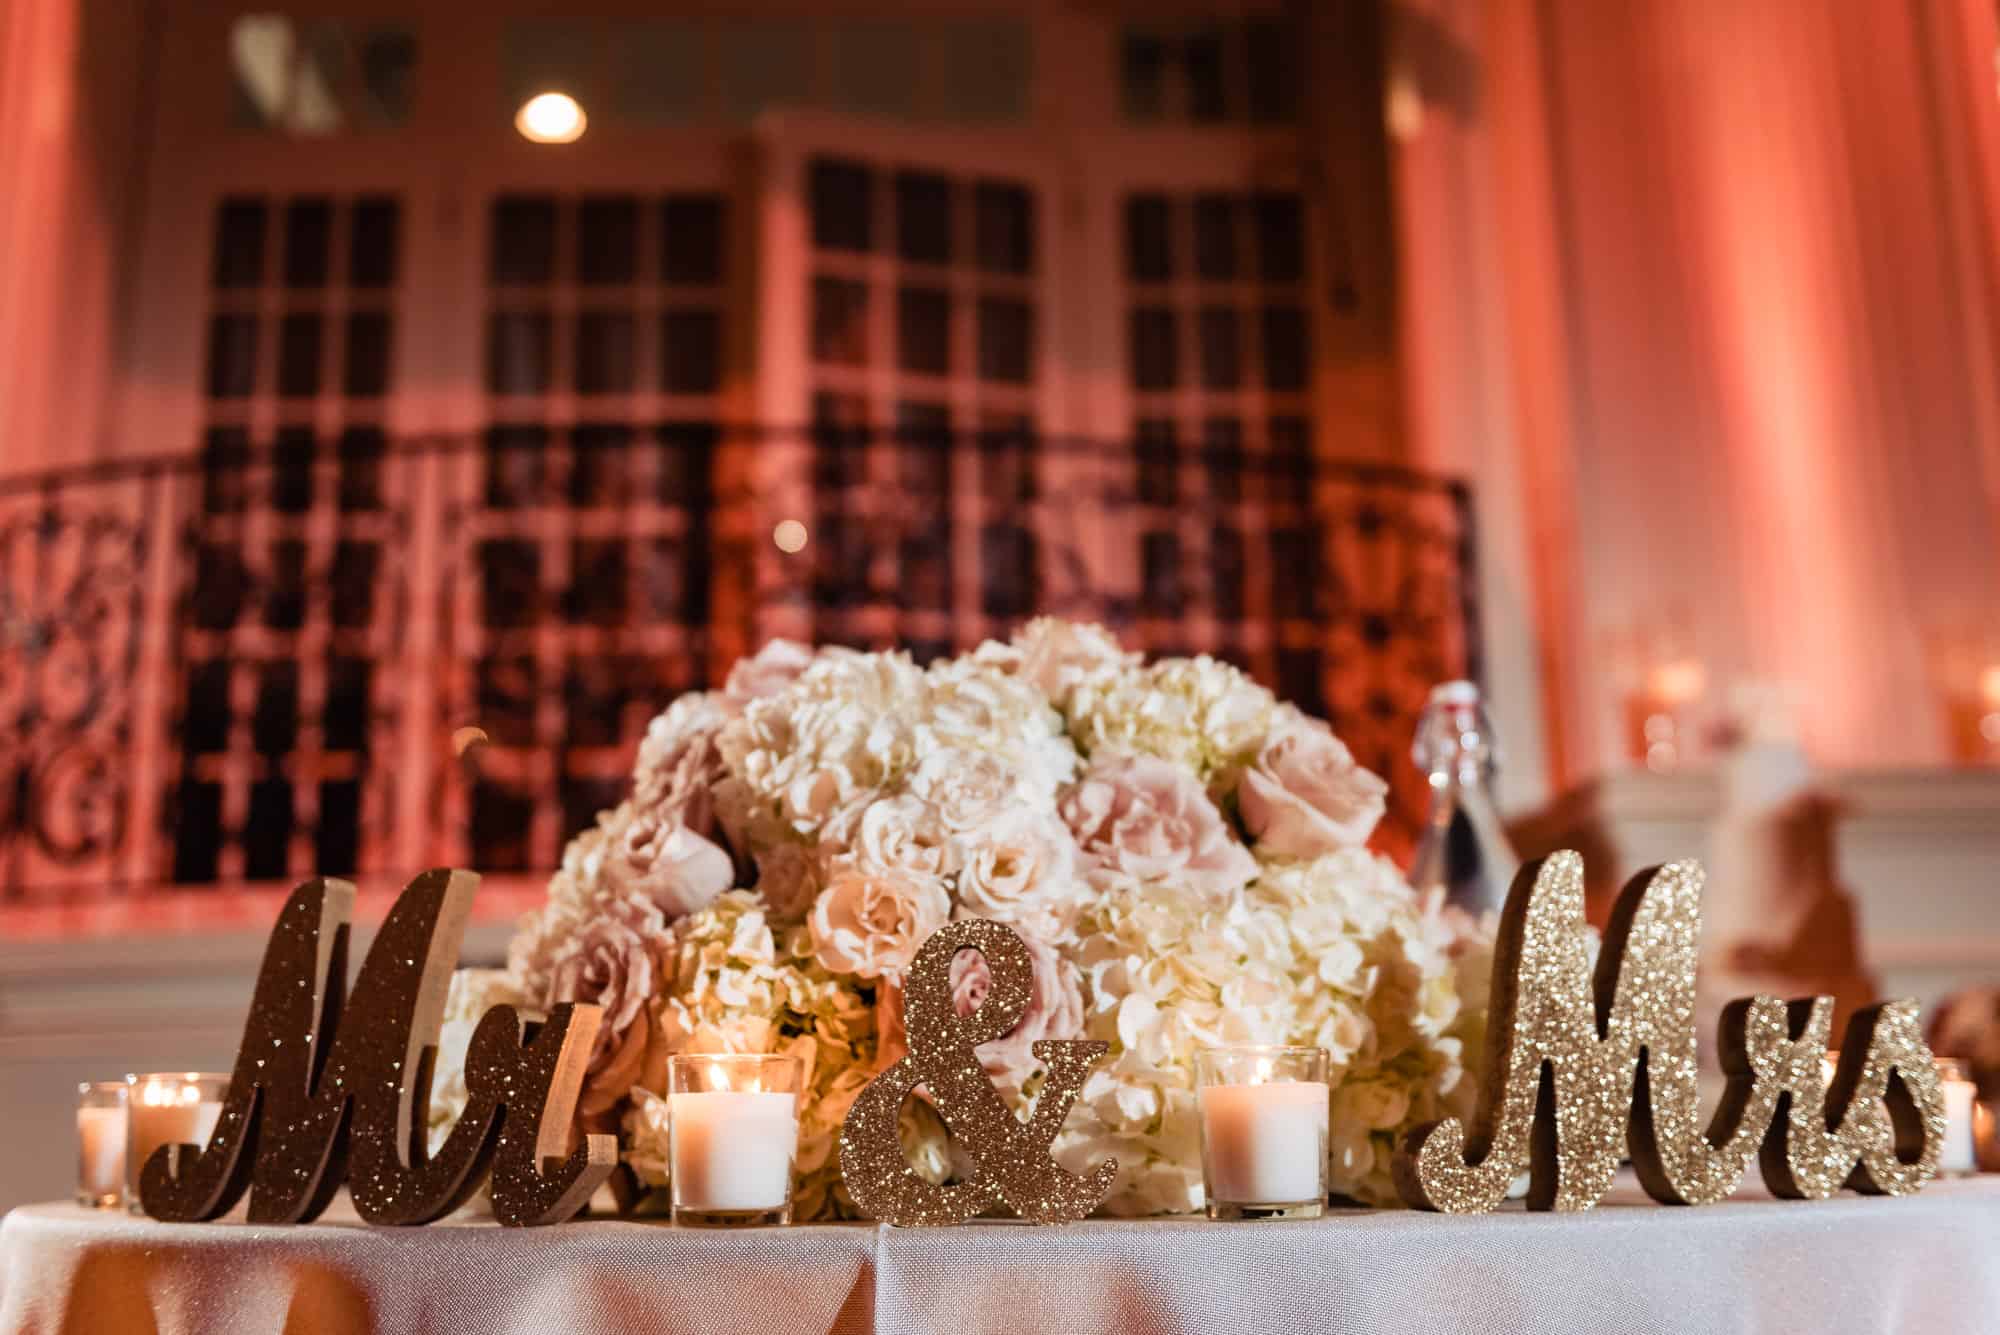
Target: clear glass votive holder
(732,1135)
(167,1108)
(100,1144)
(1961,1098)
(1263,1131)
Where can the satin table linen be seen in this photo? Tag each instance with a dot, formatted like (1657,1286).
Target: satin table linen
(1929,1264)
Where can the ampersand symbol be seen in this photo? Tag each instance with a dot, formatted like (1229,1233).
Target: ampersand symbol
(1012,1157)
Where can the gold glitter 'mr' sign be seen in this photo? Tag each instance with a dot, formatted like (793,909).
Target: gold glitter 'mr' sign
(1011,1158)
(332,1085)
(1581,1067)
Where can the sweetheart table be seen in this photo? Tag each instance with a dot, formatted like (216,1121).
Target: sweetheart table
(1928,1263)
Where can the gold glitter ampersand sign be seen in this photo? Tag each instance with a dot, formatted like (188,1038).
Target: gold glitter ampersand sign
(1581,1066)
(1011,1157)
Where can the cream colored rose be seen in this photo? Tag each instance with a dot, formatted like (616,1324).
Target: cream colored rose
(872,925)
(1142,821)
(1021,868)
(1304,795)
(898,834)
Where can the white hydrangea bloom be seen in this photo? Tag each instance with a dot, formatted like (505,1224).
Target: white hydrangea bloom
(1335,952)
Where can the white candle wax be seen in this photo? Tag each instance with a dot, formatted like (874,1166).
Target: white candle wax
(732,1150)
(157,1124)
(100,1134)
(1958,1148)
(1265,1144)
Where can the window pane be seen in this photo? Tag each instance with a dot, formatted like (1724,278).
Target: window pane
(232,356)
(1284,348)
(1006,228)
(1155,351)
(1006,340)
(518,352)
(607,240)
(371,256)
(1159,462)
(239,243)
(1149,247)
(1215,236)
(292,470)
(298,356)
(923,218)
(605,356)
(1274,89)
(1143,76)
(1222,456)
(842,201)
(923,448)
(1281,249)
(367,355)
(923,330)
(308,234)
(1221,343)
(840,321)
(691,239)
(1207,88)
(524,239)
(690,352)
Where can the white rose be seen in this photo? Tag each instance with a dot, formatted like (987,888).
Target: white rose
(965,789)
(1022,868)
(898,834)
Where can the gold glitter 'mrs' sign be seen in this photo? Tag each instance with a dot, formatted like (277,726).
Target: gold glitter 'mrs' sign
(1581,1066)
(1011,1158)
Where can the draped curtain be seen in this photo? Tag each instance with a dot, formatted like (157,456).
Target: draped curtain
(1709,290)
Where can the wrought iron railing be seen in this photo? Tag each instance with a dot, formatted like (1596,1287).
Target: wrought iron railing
(246,666)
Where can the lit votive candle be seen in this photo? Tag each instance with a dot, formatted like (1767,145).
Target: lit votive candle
(100,1143)
(733,1132)
(1263,1131)
(167,1108)
(1960,1094)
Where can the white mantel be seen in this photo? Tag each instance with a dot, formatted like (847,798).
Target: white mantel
(1919,851)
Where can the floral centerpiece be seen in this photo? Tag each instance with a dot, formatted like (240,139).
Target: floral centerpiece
(1184,855)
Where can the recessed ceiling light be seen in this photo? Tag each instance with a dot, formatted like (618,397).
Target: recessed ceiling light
(551,118)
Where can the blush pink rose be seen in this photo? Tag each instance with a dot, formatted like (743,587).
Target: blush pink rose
(1056,655)
(680,764)
(618,959)
(871,924)
(773,668)
(1304,795)
(667,864)
(1054,1010)
(1143,821)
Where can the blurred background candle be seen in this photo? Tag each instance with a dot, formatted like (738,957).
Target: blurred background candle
(733,1132)
(167,1108)
(1960,1094)
(1263,1131)
(100,1143)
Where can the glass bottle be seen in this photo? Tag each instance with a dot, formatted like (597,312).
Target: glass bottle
(1463,849)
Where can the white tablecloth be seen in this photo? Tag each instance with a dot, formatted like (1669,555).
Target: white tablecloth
(1928,1264)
